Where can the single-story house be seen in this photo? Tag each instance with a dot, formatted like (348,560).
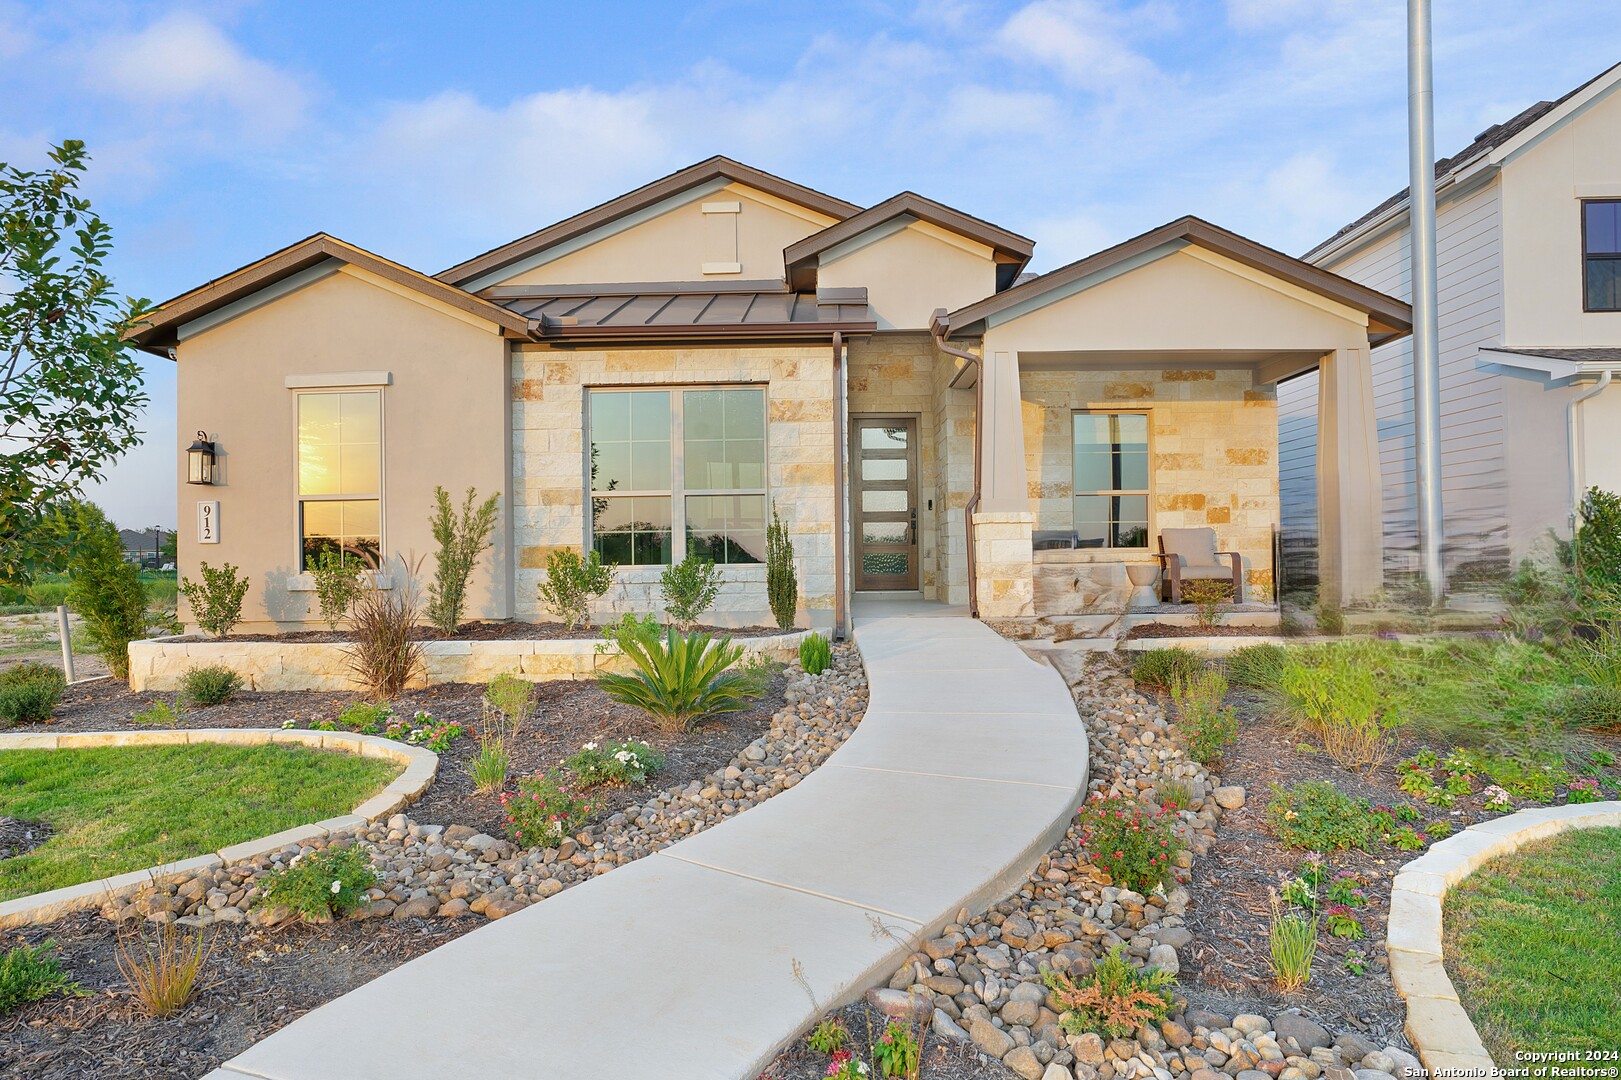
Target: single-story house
(657,375)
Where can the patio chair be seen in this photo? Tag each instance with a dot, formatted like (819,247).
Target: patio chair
(1191,555)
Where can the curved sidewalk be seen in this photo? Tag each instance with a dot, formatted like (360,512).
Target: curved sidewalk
(967,766)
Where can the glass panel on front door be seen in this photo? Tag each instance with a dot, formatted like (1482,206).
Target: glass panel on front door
(885,478)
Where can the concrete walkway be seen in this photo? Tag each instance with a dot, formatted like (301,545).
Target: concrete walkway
(966,768)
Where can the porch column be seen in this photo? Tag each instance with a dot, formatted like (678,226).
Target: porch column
(1003,521)
(1350,528)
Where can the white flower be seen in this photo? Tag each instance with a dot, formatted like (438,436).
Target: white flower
(285,724)
(337,887)
(589,746)
(623,756)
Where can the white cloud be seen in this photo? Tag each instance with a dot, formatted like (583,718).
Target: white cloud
(1086,42)
(184,61)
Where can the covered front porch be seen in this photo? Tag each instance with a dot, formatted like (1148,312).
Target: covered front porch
(1132,397)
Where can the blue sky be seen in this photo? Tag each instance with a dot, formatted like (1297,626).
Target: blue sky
(430,132)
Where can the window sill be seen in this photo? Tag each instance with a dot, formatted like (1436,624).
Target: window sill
(729,572)
(1092,555)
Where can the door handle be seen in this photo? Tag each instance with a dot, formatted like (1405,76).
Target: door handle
(914,526)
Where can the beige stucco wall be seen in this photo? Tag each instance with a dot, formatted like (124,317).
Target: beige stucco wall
(1213,448)
(910,272)
(1542,189)
(442,424)
(674,244)
(548,411)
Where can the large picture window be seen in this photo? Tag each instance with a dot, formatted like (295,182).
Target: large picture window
(340,474)
(1111,479)
(1601,250)
(678,470)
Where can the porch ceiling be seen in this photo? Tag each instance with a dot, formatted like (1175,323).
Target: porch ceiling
(1269,365)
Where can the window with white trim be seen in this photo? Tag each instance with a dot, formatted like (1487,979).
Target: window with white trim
(1601,251)
(677,470)
(340,474)
(1111,479)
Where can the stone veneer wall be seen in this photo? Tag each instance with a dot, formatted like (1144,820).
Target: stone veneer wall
(954,437)
(1002,564)
(1213,448)
(548,412)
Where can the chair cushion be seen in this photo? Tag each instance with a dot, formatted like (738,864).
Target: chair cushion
(1207,573)
(1196,546)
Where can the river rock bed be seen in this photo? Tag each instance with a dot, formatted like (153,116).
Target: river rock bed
(430,870)
(980,979)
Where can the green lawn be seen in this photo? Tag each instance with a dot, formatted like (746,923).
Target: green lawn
(1533,945)
(116,809)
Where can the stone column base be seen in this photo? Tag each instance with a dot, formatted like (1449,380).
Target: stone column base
(1003,564)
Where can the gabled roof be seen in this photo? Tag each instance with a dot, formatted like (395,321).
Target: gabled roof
(1497,140)
(1387,317)
(157,333)
(1012,250)
(692,176)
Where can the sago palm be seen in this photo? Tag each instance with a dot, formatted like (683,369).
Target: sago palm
(681,679)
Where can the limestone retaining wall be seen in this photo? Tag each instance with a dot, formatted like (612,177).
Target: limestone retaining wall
(160,663)
(421,765)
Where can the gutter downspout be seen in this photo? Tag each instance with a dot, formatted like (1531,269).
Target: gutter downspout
(839,494)
(938,329)
(1573,429)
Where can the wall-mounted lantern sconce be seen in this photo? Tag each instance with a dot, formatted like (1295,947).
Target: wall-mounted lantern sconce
(200,460)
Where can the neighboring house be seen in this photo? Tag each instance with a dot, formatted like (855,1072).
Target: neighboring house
(1528,228)
(140,547)
(654,376)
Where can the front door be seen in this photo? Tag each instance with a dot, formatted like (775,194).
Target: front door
(885,493)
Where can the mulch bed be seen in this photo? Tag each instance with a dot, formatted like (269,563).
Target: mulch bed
(20,837)
(1170,630)
(1226,969)
(487,631)
(257,982)
(568,714)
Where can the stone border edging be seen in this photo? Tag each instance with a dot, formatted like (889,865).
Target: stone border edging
(1437,1024)
(1211,646)
(158,664)
(421,765)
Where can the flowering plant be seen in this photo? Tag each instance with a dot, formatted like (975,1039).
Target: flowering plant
(424,730)
(631,761)
(846,1066)
(1498,801)
(1342,922)
(544,811)
(1585,790)
(324,883)
(897,1050)
(1132,841)
(1344,890)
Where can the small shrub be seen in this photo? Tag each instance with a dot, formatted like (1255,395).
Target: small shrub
(29,693)
(383,656)
(1318,816)
(106,591)
(160,713)
(30,974)
(1344,890)
(1115,1001)
(1131,841)
(1207,596)
(1596,549)
(1342,922)
(815,653)
(1356,961)
(211,684)
(545,811)
(572,584)
(781,580)
(366,717)
(1259,667)
(162,971)
(757,670)
(1207,726)
(1162,667)
(508,703)
(1438,830)
(1175,794)
(461,539)
(323,884)
(1405,839)
(1330,618)
(828,1036)
(338,584)
(681,679)
(424,730)
(897,1050)
(1585,790)
(1293,945)
(644,630)
(216,600)
(512,697)
(689,588)
(1341,701)
(630,761)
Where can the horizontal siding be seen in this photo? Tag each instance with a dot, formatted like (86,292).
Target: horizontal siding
(1474,474)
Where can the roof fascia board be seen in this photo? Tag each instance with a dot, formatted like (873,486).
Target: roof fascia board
(1557,118)
(631,288)
(1278,285)
(1555,367)
(272,292)
(1081,284)
(776,202)
(596,235)
(865,238)
(418,296)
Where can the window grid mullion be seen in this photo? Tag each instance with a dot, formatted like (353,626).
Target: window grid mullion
(678,476)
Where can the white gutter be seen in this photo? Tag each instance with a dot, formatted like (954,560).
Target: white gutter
(1573,427)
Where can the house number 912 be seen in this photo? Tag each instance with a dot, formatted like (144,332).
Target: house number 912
(208,522)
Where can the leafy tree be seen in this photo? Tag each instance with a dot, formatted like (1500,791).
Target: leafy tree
(781,582)
(1597,546)
(70,390)
(461,540)
(105,589)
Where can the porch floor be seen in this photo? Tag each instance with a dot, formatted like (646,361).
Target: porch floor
(868,607)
